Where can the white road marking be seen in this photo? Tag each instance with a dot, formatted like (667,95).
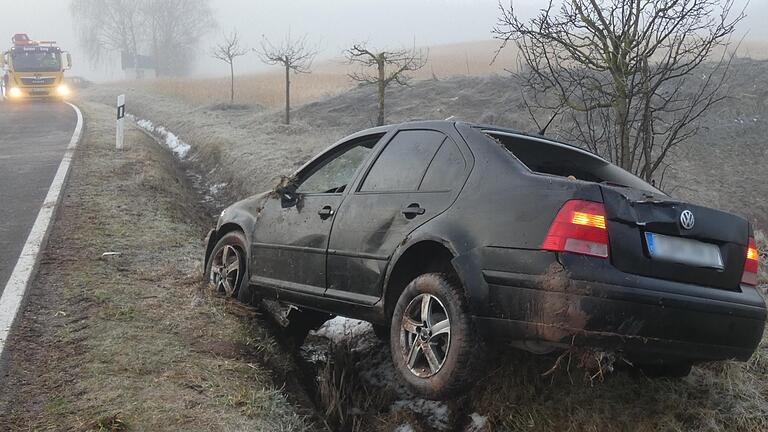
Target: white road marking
(23,273)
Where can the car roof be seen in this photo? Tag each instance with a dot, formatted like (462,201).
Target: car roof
(483,127)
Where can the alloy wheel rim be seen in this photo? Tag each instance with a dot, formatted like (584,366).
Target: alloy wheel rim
(425,335)
(225,269)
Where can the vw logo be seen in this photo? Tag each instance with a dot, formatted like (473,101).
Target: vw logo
(686,219)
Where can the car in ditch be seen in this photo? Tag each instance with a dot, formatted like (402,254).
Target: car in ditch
(450,236)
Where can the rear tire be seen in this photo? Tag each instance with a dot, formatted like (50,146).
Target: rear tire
(433,341)
(227,268)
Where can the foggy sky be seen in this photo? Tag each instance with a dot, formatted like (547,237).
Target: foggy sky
(333,24)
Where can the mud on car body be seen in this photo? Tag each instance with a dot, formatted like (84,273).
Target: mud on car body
(448,235)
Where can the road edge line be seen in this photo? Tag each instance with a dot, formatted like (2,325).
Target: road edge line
(24,272)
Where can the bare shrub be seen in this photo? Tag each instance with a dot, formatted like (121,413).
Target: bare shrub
(390,67)
(615,72)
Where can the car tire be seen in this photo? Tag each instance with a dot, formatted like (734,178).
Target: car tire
(227,268)
(666,370)
(448,370)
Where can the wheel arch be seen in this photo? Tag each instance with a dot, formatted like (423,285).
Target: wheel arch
(215,235)
(428,255)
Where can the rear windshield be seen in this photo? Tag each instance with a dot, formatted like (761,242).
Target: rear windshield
(561,160)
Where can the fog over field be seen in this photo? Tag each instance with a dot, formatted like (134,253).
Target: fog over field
(332,25)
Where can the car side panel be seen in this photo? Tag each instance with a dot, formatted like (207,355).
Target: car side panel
(371,226)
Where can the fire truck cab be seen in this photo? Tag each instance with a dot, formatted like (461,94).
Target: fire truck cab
(34,70)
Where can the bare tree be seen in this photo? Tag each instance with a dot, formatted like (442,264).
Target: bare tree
(167,30)
(292,54)
(628,79)
(174,29)
(107,25)
(391,67)
(227,51)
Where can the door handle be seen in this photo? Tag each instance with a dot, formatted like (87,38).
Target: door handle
(413,210)
(325,212)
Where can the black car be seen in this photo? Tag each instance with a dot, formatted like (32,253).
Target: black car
(448,235)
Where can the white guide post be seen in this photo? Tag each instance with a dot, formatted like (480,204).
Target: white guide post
(120,121)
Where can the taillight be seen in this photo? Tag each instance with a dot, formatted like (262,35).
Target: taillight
(749,276)
(579,227)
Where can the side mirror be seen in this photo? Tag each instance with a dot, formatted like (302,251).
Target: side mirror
(288,195)
(69,61)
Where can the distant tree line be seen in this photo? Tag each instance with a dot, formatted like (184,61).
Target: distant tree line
(381,68)
(168,31)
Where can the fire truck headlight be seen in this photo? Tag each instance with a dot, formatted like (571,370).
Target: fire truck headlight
(14,92)
(63,90)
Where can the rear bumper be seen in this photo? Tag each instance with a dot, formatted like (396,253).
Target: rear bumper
(646,319)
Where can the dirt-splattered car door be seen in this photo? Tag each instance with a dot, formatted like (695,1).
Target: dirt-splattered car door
(290,239)
(377,216)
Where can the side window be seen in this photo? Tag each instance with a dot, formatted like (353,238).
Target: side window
(336,171)
(446,171)
(401,166)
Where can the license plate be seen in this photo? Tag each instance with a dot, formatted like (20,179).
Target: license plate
(683,251)
(38,92)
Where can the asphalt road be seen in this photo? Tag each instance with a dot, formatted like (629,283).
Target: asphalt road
(33,138)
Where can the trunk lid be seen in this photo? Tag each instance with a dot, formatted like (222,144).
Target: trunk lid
(636,218)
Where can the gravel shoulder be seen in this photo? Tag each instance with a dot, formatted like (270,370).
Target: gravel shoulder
(132,340)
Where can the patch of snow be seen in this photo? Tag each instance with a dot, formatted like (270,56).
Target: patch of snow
(177,146)
(405,427)
(479,423)
(434,412)
(340,329)
(146,125)
(173,142)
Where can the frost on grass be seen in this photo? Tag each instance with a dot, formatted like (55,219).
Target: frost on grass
(435,413)
(406,427)
(173,142)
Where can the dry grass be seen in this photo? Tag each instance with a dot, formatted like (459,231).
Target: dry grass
(265,89)
(723,396)
(328,78)
(135,341)
(350,404)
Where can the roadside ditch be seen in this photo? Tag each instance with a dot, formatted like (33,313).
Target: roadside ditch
(343,367)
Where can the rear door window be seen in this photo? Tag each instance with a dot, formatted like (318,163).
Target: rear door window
(402,164)
(446,172)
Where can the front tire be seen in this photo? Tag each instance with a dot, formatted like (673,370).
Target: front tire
(433,341)
(227,268)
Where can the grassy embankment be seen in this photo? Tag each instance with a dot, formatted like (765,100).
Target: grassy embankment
(133,341)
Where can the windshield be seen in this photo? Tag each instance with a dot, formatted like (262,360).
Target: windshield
(36,61)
